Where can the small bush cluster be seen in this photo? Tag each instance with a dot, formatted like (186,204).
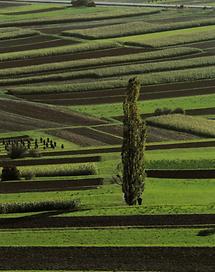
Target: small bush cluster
(166,111)
(83,3)
(19,148)
(38,206)
(10,173)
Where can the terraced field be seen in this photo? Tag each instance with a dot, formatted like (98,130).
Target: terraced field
(63,77)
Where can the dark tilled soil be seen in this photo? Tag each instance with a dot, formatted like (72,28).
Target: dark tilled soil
(163,259)
(203,45)
(45,113)
(45,44)
(75,138)
(26,41)
(49,185)
(68,57)
(153,134)
(180,89)
(182,174)
(97,135)
(44,161)
(49,220)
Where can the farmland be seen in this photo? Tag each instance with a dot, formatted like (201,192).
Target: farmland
(63,78)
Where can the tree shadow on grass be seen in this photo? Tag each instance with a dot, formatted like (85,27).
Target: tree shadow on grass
(207,232)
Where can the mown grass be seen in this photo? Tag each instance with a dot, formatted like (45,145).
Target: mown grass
(134,28)
(185,123)
(161,196)
(80,14)
(148,106)
(173,37)
(83,64)
(107,237)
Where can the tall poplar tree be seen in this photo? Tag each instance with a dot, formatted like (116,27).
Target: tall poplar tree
(134,137)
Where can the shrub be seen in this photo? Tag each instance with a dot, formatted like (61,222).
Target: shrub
(28,175)
(17,150)
(34,153)
(39,206)
(10,173)
(83,3)
(179,111)
(166,111)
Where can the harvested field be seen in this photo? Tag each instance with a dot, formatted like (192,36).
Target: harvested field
(75,56)
(203,45)
(37,45)
(97,135)
(16,122)
(155,221)
(182,174)
(45,113)
(44,161)
(75,138)
(153,134)
(49,185)
(179,89)
(109,258)
(26,41)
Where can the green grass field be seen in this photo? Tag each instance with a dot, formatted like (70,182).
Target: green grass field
(42,63)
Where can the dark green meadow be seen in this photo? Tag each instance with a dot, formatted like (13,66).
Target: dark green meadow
(63,78)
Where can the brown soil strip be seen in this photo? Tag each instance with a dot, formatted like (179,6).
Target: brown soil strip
(117,95)
(45,113)
(182,174)
(51,161)
(49,185)
(154,134)
(75,138)
(202,45)
(97,135)
(48,220)
(163,259)
(26,41)
(16,122)
(47,44)
(68,57)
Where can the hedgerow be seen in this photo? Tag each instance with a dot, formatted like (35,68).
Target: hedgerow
(38,206)
(60,170)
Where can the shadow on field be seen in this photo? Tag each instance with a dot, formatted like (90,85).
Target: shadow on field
(206,232)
